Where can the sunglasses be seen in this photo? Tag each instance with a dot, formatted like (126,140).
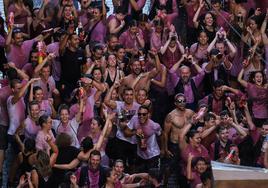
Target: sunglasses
(142,114)
(180,101)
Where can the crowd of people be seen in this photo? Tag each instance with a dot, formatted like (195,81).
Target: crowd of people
(131,99)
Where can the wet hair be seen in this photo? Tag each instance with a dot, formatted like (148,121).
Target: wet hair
(95,152)
(29,145)
(205,176)
(43,119)
(43,164)
(218,83)
(197,159)
(190,134)
(32,103)
(63,140)
(224,113)
(253,74)
(36,88)
(133,23)
(219,129)
(119,161)
(127,89)
(13,83)
(144,107)
(63,107)
(87,144)
(12,73)
(209,116)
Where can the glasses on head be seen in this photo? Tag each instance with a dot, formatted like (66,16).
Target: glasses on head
(180,101)
(142,114)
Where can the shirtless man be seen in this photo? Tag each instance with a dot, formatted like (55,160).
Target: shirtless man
(138,80)
(173,125)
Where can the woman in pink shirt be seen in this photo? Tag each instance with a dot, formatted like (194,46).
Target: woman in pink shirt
(158,36)
(41,139)
(190,142)
(199,50)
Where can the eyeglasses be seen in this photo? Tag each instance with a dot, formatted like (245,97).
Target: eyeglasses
(142,114)
(180,101)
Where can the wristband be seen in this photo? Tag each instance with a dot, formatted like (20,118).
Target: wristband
(141,58)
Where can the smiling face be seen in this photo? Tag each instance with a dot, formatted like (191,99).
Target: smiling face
(208,19)
(94,126)
(223,135)
(258,79)
(201,166)
(128,96)
(18,39)
(64,116)
(185,74)
(203,38)
(180,103)
(119,168)
(34,111)
(143,115)
(136,67)
(97,75)
(112,60)
(141,96)
(94,161)
(38,95)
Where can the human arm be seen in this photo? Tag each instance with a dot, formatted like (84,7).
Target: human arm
(157,63)
(22,91)
(54,149)
(9,38)
(251,125)
(107,101)
(163,49)
(230,89)
(112,26)
(72,165)
(137,5)
(21,74)
(208,131)
(238,128)
(266,158)
(41,65)
(240,79)
(162,82)
(182,136)
(79,115)
(17,136)
(165,136)
(196,16)
(175,67)
(140,40)
(189,174)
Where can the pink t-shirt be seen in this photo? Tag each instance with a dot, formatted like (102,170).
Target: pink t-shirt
(31,128)
(20,54)
(47,87)
(16,113)
(45,108)
(99,32)
(56,67)
(129,41)
(259,97)
(40,141)
(151,130)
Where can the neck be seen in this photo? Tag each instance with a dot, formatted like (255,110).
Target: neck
(72,49)
(109,185)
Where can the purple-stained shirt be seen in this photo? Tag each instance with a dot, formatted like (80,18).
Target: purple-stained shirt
(259,97)
(190,13)
(93,177)
(196,179)
(170,58)
(157,40)
(151,130)
(41,143)
(83,18)
(188,92)
(99,32)
(16,113)
(195,152)
(88,114)
(20,54)
(31,128)
(198,53)
(140,5)
(129,41)
(220,20)
(56,67)
(28,69)
(47,87)
(45,108)
(5,92)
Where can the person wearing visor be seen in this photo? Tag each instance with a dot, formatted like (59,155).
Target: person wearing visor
(216,68)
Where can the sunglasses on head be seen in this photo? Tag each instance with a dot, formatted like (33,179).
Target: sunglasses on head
(142,114)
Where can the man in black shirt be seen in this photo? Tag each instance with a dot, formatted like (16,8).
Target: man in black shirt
(71,59)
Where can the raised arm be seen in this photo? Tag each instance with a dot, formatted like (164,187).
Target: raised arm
(175,67)
(251,125)
(22,75)
(162,82)
(182,136)
(22,91)
(238,128)
(79,115)
(189,174)
(155,71)
(163,49)
(55,150)
(195,19)
(137,5)
(165,136)
(107,101)
(41,65)
(240,79)
(72,165)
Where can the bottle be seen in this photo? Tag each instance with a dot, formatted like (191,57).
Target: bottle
(230,155)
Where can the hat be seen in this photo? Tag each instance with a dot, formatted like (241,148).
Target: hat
(214,51)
